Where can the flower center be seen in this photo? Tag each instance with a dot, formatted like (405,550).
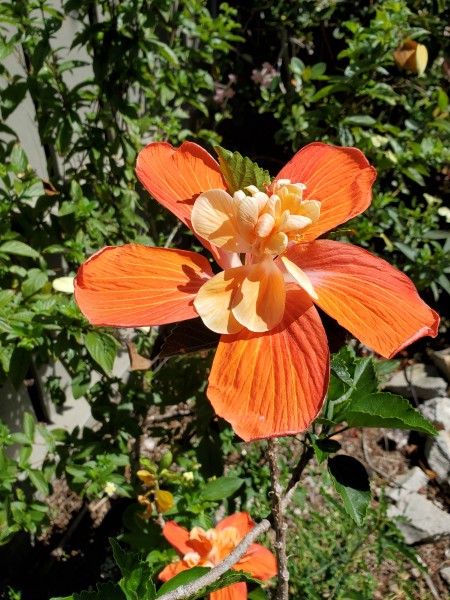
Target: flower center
(270,223)
(210,547)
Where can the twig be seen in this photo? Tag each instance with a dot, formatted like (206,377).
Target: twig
(431,586)
(306,456)
(279,523)
(172,234)
(190,589)
(411,386)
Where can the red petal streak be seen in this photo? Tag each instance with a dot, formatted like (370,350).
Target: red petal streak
(340,178)
(273,383)
(377,303)
(237,591)
(176,176)
(177,537)
(259,562)
(136,286)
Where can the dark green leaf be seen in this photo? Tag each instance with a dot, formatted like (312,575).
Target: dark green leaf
(239,172)
(20,361)
(352,484)
(105,591)
(103,348)
(386,410)
(323,448)
(222,487)
(136,582)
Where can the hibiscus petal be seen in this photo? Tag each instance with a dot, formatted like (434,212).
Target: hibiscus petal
(214,299)
(171,570)
(259,562)
(340,178)
(215,218)
(176,176)
(237,591)
(377,303)
(177,537)
(241,521)
(274,383)
(259,302)
(136,286)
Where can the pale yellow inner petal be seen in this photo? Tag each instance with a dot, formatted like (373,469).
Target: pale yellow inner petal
(215,218)
(259,303)
(300,277)
(214,299)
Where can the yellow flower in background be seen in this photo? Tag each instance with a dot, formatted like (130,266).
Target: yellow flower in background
(162,498)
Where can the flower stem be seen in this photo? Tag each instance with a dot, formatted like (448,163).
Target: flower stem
(279,523)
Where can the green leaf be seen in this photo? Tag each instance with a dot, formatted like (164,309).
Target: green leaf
(352,484)
(414,174)
(258,594)
(103,348)
(227,579)
(185,577)
(323,448)
(136,582)
(18,248)
(239,172)
(222,487)
(38,480)
(339,368)
(359,120)
(19,161)
(64,137)
(105,591)
(182,579)
(28,426)
(386,410)
(34,282)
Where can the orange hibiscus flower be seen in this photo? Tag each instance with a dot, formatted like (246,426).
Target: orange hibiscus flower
(208,548)
(271,369)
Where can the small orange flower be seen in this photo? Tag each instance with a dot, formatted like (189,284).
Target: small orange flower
(271,371)
(208,548)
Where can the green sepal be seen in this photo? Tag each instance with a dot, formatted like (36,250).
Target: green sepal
(239,172)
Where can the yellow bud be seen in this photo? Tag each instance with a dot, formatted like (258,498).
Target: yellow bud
(146,477)
(164,500)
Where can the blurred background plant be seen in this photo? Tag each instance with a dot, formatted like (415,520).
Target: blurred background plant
(264,80)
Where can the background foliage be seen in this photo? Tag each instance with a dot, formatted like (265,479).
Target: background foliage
(258,79)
